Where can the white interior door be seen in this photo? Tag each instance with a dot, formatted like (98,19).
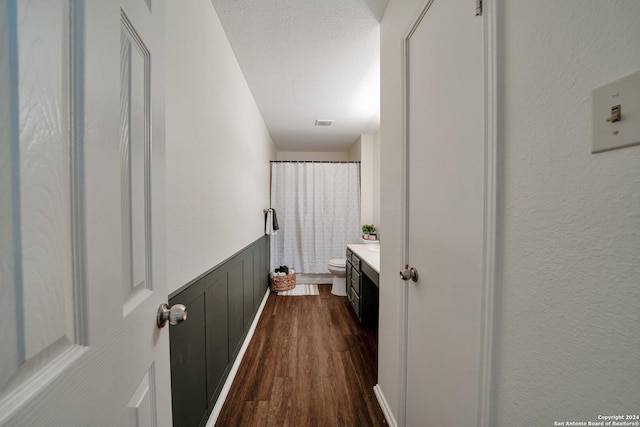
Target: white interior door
(82,221)
(446,195)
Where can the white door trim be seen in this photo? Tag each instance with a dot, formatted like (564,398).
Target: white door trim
(490,209)
(490,200)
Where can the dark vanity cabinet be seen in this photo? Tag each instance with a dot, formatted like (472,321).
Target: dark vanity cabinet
(369,297)
(362,290)
(353,282)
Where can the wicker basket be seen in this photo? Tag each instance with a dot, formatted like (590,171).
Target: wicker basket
(283,283)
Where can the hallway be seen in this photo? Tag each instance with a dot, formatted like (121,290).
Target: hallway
(137,143)
(310,363)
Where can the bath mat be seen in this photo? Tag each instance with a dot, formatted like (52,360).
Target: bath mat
(300,290)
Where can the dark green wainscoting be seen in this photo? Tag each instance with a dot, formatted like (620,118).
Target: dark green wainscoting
(221,305)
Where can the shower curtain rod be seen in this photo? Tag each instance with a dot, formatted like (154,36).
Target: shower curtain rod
(314,161)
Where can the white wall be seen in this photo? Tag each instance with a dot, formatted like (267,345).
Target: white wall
(218,147)
(568,323)
(375,180)
(567,338)
(366,179)
(317,156)
(366,150)
(355,151)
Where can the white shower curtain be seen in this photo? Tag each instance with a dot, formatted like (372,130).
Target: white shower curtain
(318,210)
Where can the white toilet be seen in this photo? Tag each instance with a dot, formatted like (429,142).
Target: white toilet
(338,267)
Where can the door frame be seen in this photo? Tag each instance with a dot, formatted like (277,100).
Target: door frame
(491,156)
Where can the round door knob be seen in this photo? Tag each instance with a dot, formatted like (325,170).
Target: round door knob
(409,274)
(174,315)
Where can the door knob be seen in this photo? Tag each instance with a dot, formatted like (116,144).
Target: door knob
(174,315)
(409,273)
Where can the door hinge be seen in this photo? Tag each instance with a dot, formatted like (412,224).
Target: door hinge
(478,7)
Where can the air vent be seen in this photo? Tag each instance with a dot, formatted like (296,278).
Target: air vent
(324,122)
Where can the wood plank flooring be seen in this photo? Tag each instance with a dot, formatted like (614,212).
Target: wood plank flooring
(310,363)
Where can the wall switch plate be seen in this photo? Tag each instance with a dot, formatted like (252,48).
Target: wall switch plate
(615,114)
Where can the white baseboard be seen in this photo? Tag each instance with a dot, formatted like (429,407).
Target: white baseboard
(211,422)
(386,410)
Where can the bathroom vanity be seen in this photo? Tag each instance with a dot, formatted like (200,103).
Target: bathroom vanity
(363,272)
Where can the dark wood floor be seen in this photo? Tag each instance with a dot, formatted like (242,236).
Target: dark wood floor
(310,363)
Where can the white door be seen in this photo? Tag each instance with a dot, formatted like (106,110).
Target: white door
(82,214)
(446,216)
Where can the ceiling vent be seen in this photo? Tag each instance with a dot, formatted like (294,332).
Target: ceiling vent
(324,122)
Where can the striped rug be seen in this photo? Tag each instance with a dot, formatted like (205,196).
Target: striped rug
(300,290)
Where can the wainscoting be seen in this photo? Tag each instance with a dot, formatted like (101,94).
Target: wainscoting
(221,305)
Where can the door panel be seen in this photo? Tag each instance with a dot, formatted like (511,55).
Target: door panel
(143,403)
(37,281)
(45,191)
(135,156)
(84,215)
(445,215)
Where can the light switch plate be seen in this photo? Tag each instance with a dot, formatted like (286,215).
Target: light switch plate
(605,135)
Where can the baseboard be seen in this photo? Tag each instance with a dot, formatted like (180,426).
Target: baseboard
(211,422)
(386,410)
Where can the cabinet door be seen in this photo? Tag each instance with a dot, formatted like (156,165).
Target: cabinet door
(355,302)
(369,302)
(348,278)
(355,280)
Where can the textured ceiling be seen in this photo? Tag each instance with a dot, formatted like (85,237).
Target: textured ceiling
(306,60)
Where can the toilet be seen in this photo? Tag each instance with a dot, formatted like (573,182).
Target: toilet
(338,268)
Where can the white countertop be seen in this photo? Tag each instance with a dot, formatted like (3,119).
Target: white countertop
(369,253)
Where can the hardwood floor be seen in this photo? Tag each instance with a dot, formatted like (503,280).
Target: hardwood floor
(310,363)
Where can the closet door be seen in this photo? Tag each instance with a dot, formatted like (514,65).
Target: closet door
(446,215)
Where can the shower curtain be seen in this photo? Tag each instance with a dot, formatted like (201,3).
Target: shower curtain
(318,208)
